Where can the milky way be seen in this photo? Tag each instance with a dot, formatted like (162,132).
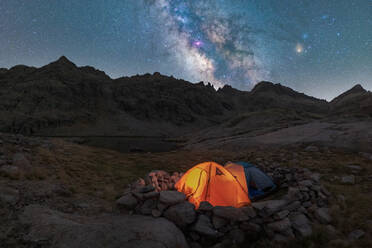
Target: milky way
(318,47)
(209,43)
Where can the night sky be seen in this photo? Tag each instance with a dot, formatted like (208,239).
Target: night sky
(319,47)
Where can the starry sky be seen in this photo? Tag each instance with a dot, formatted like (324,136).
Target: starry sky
(318,47)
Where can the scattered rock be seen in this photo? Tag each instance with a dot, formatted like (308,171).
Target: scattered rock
(281,215)
(64,230)
(237,236)
(281,226)
(127,201)
(181,214)
(156,213)
(204,226)
(148,206)
(366,155)
(356,234)
(150,195)
(250,227)
(350,179)
(281,219)
(322,214)
(315,177)
(229,213)
(354,167)
(293,206)
(171,197)
(306,183)
(146,189)
(247,211)
(312,149)
(219,222)
(274,206)
(301,225)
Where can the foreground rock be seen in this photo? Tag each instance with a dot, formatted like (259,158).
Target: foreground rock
(283,219)
(55,229)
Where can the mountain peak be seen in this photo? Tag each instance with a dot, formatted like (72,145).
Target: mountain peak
(62,63)
(64,60)
(355,90)
(228,89)
(265,86)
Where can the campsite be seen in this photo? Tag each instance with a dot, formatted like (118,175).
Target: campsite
(185,123)
(67,185)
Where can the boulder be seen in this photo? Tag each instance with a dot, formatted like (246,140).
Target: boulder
(237,236)
(234,214)
(350,179)
(147,206)
(301,225)
(281,226)
(150,195)
(171,197)
(293,206)
(127,201)
(219,222)
(322,214)
(356,234)
(312,149)
(306,183)
(354,167)
(229,213)
(293,194)
(274,206)
(247,211)
(315,177)
(204,226)
(146,189)
(281,215)
(156,213)
(250,227)
(181,214)
(64,230)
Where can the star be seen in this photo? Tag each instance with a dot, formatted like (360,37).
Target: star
(197,43)
(299,48)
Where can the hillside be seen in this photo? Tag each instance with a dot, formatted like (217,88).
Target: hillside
(146,111)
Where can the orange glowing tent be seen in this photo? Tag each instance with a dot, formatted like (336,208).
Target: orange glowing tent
(212,182)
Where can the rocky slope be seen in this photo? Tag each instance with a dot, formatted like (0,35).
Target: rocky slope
(143,112)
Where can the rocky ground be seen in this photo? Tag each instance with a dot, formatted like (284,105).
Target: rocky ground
(59,194)
(290,214)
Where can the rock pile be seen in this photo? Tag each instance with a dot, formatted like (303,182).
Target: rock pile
(292,215)
(162,180)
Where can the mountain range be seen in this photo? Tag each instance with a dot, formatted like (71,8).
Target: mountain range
(62,99)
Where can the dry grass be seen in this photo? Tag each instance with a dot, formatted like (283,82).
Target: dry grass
(105,174)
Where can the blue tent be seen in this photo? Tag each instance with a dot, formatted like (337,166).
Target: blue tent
(258,183)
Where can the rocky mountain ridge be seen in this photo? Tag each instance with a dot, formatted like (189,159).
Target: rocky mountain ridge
(62,99)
